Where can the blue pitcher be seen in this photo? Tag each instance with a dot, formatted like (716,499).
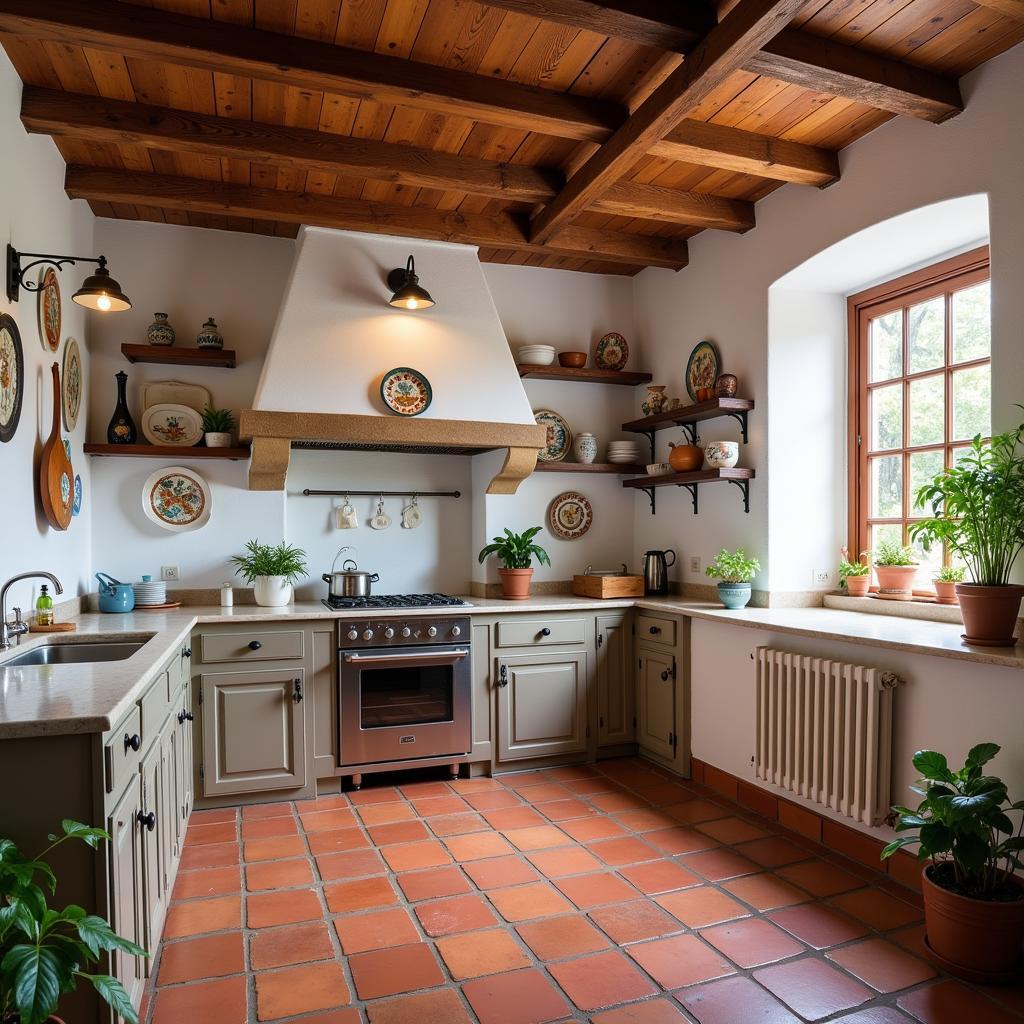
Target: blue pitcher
(115,596)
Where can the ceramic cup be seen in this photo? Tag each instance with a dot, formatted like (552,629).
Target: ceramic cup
(584,447)
(721,454)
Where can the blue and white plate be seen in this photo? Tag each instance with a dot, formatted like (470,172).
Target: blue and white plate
(76,503)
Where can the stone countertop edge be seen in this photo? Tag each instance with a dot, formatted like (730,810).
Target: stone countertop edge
(57,700)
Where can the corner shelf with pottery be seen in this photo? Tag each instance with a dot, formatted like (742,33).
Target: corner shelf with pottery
(689,416)
(165,451)
(165,355)
(594,375)
(588,467)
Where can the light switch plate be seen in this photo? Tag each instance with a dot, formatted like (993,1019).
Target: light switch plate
(169,572)
(695,564)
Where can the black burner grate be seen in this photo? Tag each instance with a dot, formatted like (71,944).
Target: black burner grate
(395,601)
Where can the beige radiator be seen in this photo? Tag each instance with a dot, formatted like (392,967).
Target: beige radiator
(824,731)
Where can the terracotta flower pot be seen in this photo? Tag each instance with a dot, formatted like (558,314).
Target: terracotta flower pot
(515,583)
(945,593)
(978,940)
(896,581)
(857,586)
(685,458)
(990,613)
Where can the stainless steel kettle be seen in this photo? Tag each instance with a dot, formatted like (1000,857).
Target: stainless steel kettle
(656,565)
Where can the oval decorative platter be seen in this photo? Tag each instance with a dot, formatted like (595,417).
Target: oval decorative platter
(71,383)
(12,376)
(406,391)
(49,309)
(76,503)
(611,352)
(570,515)
(702,368)
(559,441)
(177,499)
(168,424)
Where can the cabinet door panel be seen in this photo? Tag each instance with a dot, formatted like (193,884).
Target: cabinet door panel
(615,688)
(154,869)
(656,691)
(126,886)
(186,765)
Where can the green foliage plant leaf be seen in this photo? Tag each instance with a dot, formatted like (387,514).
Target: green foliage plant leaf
(733,566)
(270,560)
(515,550)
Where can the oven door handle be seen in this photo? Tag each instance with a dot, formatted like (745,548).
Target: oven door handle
(422,658)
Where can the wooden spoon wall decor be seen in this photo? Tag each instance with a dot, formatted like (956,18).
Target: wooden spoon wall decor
(56,477)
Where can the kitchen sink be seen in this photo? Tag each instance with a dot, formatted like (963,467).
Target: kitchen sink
(77,653)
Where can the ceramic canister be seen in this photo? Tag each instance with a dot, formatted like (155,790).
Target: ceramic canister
(160,332)
(209,336)
(584,447)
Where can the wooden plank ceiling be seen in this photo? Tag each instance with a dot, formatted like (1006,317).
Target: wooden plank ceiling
(593,136)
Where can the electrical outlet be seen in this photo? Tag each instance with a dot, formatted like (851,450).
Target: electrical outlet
(695,564)
(822,577)
(169,572)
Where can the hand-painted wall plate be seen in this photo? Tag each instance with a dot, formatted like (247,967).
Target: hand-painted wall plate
(71,384)
(177,499)
(76,504)
(611,352)
(49,309)
(12,376)
(174,392)
(570,516)
(702,368)
(172,425)
(559,436)
(406,391)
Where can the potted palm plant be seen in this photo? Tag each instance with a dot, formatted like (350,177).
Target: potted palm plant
(977,508)
(854,576)
(736,571)
(271,569)
(895,568)
(45,953)
(973,902)
(217,427)
(945,582)
(516,552)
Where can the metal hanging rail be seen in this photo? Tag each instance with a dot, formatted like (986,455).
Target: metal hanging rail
(385,494)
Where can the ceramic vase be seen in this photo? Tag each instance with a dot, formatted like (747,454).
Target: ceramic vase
(734,595)
(121,429)
(726,385)
(272,591)
(656,398)
(584,447)
(217,439)
(209,336)
(160,332)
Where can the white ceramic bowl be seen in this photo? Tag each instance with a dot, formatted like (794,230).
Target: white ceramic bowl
(658,468)
(721,454)
(540,355)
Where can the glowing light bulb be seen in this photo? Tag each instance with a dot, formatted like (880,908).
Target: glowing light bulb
(103,302)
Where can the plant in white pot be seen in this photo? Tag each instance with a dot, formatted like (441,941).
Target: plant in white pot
(516,552)
(736,571)
(895,567)
(271,569)
(217,427)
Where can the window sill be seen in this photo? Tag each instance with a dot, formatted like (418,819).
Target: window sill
(916,609)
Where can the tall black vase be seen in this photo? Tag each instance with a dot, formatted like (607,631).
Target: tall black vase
(122,427)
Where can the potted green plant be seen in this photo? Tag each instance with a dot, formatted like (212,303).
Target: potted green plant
(973,902)
(271,569)
(217,427)
(45,953)
(516,552)
(854,576)
(895,568)
(977,508)
(945,582)
(736,571)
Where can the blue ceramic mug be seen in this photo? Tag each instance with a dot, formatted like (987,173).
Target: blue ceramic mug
(115,596)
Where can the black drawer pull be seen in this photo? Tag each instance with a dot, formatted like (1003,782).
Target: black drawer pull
(149,820)
(545,631)
(186,652)
(654,630)
(185,716)
(503,676)
(665,676)
(297,691)
(132,742)
(255,645)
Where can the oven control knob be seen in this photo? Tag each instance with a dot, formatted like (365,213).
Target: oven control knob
(389,633)
(406,632)
(353,633)
(367,634)
(432,631)
(456,631)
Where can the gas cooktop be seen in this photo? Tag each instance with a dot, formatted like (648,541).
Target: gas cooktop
(395,601)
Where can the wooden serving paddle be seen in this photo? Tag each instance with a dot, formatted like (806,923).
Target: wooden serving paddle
(56,477)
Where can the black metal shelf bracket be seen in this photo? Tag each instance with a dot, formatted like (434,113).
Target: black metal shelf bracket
(651,492)
(741,419)
(649,434)
(690,429)
(692,488)
(744,486)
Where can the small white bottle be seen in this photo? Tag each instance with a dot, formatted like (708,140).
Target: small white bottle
(227,595)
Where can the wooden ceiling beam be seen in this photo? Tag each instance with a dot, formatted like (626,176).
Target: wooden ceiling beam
(672,205)
(1008,8)
(740,34)
(498,230)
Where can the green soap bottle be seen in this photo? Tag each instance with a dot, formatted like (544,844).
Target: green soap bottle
(44,608)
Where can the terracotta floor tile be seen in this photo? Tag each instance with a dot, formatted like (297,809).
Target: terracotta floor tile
(338,840)
(556,938)
(477,846)
(194,917)
(538,838)
(433,883)
(752,942)
(679,840)
(569,772)
(440,1007)
(478,953)
(493,800)
(223,1001)
(731,830)
(646,820)
(194,959)
(604,979)
(820,878)
(701,906)
(628,850)
(680,960)
(652,1011)
(266,909)
(398,832)
(818,925)
(353,864)
(479,785)
(261,828)
(216,855)
(300,990)
(516,997)
(692,812)
(215,832)
(523,902)
(419,790)
(324,802)
(374,795)
(328,820)
(382,813)
(950,1002)
(812,988)
(587,787)
(388,972)
(429,807)
(455,914)
(506,818)
(192,885)
(521,780)
(543,792)
(875,1015)
(883,966)
(658,876)
(588,891)
(360,894)
(563,860)
(734,1001)
(772,852)
(409,856)
(765,892)
(219,815)
(618,801)
(877,909)
(720,864)
(274,848)
(361,932)
(293,944)
(911,939)
(585,830)
(634,921)
(278,874)
(499,872)
(565,810)
(457,824)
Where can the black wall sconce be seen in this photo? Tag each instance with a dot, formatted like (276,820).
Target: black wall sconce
(99,291)
(405,285)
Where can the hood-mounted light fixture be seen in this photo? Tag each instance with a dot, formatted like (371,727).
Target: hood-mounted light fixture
(405,285)
(99,291)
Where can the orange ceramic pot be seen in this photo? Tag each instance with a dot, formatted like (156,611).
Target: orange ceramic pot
(857,586)
(515,583)
(896,581)
(990,613)
(945,593)
(684,458)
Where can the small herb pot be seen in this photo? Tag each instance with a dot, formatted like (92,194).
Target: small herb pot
(734,595)
(945,592)
(217,439)
(515,583)
(896,581)
(857,586)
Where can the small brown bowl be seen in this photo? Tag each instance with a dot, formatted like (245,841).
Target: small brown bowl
(573,360)
(705,394)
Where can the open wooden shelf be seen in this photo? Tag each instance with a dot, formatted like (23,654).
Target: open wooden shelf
(690,415)
(691,481)
(168,355)
(164,451)
(588,467)
(628,378)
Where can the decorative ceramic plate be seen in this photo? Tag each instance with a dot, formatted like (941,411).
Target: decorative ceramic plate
(67,447)
(71,383)
(172,424)
(12,377)
(702,368)
(406,391)
(76,504)
(570,515)
(173,392)
(49,309)
(559,436)
(177,499)
(611,352)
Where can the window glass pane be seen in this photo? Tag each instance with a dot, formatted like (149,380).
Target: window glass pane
(924,468)
(971,331)
(886,531)
(886,345)
(928,410)
(887,417)
(972,402)
(926,325)
(929,563)
(887,487)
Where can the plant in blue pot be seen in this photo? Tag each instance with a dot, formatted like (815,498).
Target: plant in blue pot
(735,570)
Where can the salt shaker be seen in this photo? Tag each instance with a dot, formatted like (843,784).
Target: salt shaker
(227,596)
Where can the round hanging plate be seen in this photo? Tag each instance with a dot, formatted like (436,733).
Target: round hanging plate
(406,391)
(570,516)
(12,377)
(71,384)
(177,499)
(76,504)
(49,309)
(611,352)
(702,368)
(172,425)
(559,436)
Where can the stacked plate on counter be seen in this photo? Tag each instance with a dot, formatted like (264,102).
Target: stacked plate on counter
(150,592)
(624,452)
(536,355)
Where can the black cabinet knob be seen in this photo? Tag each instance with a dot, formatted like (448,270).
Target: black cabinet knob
(186,652)
(149,820)
(297,690)
(503,676)
(545,631)
(254,645)
(665,676)
(655,630)
(185,716)
(133,742)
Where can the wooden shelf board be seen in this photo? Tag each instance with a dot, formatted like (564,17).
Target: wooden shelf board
(628,378)
(158,451)
(588,467)
(689,414)
(168,355)
(700,476)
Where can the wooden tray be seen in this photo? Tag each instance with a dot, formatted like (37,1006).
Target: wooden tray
(168,606)
(608,586)
(57,627)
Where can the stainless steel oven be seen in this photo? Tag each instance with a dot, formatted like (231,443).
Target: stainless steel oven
(404,690)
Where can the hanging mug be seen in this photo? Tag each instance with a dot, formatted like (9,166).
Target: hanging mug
(411,515)
(348,519)
(380,520)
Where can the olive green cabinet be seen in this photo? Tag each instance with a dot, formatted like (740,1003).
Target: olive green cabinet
(126,885)
(614,680)
(656,699)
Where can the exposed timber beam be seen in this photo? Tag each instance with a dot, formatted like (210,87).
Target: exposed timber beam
(1008,8)
(697,209)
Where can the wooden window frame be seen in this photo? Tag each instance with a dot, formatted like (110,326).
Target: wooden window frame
(942,278)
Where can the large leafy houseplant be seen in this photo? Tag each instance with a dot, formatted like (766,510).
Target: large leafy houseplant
(45,953)
(271,569)
(516,551)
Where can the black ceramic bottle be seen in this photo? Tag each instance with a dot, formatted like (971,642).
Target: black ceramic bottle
(122,426)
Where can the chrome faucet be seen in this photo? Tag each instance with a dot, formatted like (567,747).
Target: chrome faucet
(17,628)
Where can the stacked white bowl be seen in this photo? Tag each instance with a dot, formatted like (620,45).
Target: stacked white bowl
(623,452)
(150,591)
(538,355)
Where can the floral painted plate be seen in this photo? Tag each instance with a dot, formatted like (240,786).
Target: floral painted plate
(12,377)
(559,436)
(49,309)
(611,352)
(702,368)
(71,384)
(406,391)
(177,499)
(76,504)
(172,425)
(570,516)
